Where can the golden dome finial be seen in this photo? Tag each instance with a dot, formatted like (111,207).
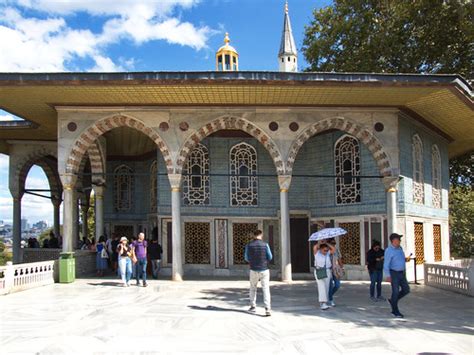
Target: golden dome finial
(286,7)
(226,38)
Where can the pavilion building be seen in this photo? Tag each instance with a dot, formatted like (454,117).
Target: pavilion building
(202,159)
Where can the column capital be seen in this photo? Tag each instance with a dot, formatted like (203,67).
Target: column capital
(391,183)
(17,195)
(56,202)
(68,181)
(99,190)
(284,181)
(175,181)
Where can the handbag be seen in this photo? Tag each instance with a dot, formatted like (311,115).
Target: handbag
(322,272)
(103,253)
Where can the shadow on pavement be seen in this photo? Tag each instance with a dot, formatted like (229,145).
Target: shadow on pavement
(221,309)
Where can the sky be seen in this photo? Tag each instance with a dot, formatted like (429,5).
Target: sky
(134,35)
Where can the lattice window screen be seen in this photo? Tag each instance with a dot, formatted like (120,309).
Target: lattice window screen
(124,231)
(153,186)
(243,179)
(349,245)
(196,189)
(418,178)
(123,188)
(347,165)
(241,235)
(437,242)
(197,243)
(419,243)
(436,176)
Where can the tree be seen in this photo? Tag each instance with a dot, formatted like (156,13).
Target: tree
(91,217)
(392,36)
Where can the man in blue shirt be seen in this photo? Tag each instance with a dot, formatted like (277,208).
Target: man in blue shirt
(394,269)
(258,254)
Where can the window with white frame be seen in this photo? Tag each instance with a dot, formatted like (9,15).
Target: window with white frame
(243,175)
(196,189)
(347,169)
(436,176)
(418,181)
(153,186)
(123,188)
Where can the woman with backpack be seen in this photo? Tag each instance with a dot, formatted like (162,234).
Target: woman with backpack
(101,256)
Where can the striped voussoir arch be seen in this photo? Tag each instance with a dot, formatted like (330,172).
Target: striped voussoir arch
(343,124)
(88,137)
(97,162)
(234,123)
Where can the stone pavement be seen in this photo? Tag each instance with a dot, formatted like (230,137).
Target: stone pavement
(203,317)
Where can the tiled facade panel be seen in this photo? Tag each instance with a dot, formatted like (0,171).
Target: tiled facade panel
(405,195)
(316,157)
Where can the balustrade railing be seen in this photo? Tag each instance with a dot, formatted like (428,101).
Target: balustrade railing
(457,276)
(20,277)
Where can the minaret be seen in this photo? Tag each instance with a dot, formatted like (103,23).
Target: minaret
(287,56)
(227,58)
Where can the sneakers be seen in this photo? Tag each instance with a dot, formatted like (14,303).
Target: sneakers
(138,283)
(397,315)
(331,304)
(252,309)
(324,306)
(268,312)
(145,284)
(373,299)
(380,298)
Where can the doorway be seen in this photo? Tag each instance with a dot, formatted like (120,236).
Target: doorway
(300,248)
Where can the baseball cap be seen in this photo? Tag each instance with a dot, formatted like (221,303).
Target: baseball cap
(395,236)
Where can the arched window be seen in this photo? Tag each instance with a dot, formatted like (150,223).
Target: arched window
(347,167)
(196,177)
(123,186)
(418,183)
(243,175)
(436,176)
(153,187)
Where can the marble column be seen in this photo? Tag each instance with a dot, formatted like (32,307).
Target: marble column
(177,265)
(285,249)
(17,196)
(75,216)
(56,212)
(99,210)
(69,182)
(391,184)
(84,215)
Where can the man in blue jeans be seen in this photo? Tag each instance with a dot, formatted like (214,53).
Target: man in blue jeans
(374,264)
(394,269)
(140,247)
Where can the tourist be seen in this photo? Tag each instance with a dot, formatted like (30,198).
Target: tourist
(114,256)
(125,253)
(337,272)
(45,243)
(394,269)
(110,251)
(134,261)
(140,249)
(101,256)
(374,265)
(154,252)
(258,254)
(323,272)
(53,241)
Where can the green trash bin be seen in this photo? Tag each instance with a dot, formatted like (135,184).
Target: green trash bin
(67,268)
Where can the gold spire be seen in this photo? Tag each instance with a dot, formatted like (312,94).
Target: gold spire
(226,39)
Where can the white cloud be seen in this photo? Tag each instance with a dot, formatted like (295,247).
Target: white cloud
(50,44)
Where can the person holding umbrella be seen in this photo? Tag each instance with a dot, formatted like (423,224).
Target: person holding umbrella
(323,271)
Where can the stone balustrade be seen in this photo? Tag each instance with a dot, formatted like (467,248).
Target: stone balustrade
(21,277)
(456,276)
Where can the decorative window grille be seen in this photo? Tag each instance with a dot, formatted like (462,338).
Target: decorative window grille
(243,179)
(123,188)
(436,176)
(347,166)
(197,243)
(153,186)
(349,245)
(438,255)
(196,177)
(241,235)
(419,243)
(418,183)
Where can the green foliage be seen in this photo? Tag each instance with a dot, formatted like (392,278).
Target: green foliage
(392,36)
(91,218)
(4,254)
(461,171)
(44,235)
(461,204)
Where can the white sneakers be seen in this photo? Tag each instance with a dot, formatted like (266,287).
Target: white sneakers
(324,306)
(331,304)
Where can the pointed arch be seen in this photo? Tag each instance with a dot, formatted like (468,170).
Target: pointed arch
(86,139)
(418,173)
(196,184)
(347,165)
(436,177)
(243,177)
(356,130)
(123,188)
(230,122)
